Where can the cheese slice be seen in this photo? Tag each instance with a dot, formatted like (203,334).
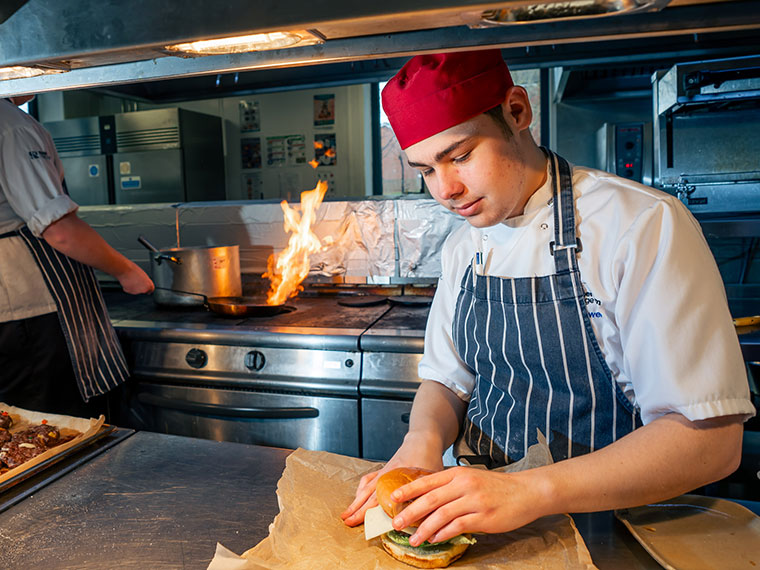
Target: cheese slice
(376,522)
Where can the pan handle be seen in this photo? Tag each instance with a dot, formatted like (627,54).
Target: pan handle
(205,299)
(157,255)
(228,411)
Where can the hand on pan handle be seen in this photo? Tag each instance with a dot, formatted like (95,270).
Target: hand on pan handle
(134,280)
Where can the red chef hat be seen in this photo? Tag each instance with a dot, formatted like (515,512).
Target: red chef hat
(432,93)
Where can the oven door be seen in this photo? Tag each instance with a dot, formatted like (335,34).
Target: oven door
(324,423)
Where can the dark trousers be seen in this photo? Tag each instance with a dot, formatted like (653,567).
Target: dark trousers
(36,372)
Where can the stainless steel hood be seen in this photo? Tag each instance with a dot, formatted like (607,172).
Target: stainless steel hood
(92,43)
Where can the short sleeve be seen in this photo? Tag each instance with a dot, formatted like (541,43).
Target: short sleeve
(680,348)
(440,361)
(31,178)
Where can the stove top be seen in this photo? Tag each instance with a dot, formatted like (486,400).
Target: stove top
(309,315)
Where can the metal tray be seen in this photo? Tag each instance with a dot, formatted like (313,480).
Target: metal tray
(696,532)
(23,474)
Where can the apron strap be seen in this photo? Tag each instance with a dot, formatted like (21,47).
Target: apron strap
(9,234)
(565,245)
(96,355)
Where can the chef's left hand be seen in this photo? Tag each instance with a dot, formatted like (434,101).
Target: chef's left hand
(465,499)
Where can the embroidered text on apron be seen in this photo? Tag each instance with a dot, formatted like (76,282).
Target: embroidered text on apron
(535,357)
(96,356)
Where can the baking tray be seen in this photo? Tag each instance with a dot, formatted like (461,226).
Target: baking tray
(696,532)
(25,473)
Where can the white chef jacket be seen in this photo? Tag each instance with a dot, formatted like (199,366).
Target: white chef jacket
(655,298)
(31,193)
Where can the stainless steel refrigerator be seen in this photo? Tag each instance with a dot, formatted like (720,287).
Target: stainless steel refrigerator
(161,155)
(83,146)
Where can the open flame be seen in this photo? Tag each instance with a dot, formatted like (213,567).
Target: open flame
(287,270)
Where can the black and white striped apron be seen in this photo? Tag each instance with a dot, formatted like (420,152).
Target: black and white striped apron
(96,355)
(537,363)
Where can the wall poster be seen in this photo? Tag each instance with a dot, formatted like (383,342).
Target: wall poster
(324,110)
(250,153)
(252,186)
(296,150)
(286,150)
(249,117)
(324,150)
(276,153)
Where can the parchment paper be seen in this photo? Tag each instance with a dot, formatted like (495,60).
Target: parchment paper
(67,425)
(309,534)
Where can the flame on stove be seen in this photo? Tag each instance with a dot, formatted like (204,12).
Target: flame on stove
(290,267)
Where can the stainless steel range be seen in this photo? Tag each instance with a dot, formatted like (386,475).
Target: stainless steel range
(319,376)
(705,129)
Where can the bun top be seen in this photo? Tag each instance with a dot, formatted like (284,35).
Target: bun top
(392,480)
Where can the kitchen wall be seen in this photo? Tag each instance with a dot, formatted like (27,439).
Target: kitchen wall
(373,240)
(282,129)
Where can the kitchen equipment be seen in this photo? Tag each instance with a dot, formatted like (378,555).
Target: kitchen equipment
(187,276)
(362,300)
(696,532)
(237,307)
(746,321)
(161,155)
(391,352)
(288,380)
(705,134)
(625,149)
(86,146)
(252,388)
(410,300)
(243,306)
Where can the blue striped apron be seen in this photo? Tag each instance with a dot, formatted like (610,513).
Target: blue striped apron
(96,355)
(536,360)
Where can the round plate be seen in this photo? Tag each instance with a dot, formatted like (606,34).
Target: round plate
(411,300)
(362,300)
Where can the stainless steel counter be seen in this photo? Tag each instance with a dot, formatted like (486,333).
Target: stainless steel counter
(152,501)
(161,501)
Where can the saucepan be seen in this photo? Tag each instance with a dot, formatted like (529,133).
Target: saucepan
(188,275)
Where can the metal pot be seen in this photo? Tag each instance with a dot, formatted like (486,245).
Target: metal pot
(185,276)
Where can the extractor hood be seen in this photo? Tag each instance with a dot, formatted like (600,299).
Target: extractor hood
(91,43)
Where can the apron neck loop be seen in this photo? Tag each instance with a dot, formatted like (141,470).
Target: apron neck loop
(565,244)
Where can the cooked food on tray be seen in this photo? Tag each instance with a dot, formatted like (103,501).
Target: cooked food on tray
(18,447)
(5,420)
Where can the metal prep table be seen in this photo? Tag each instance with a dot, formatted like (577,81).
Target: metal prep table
(163,501)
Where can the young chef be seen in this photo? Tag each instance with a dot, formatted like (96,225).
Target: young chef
(58,349)
(574,303)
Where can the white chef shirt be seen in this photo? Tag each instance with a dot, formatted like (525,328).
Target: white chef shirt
(31,193)
(654,294)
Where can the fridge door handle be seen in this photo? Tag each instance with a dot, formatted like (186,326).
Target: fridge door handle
(228,411)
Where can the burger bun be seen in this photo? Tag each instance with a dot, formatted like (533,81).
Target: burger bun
(392,480)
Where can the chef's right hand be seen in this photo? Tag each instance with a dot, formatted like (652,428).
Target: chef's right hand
(135,281)
(408,455)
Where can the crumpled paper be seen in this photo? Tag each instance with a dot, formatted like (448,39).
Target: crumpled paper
(308,533)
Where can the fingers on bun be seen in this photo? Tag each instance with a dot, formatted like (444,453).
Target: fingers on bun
(396,543)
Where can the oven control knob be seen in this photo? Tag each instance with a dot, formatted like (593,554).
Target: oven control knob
(196,358)
(255,360)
